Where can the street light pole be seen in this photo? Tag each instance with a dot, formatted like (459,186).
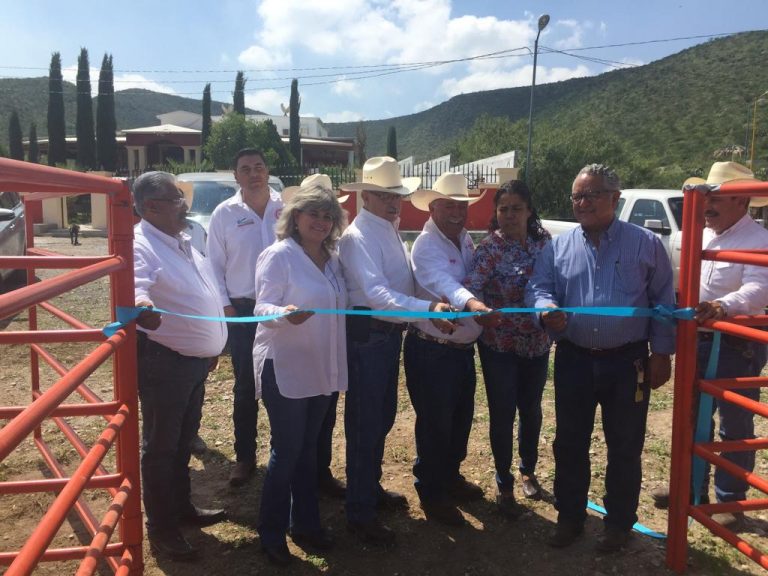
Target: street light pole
(543,21)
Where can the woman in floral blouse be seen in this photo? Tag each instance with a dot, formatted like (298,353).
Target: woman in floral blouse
(515,354)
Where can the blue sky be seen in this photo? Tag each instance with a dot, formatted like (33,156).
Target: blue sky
(340,49)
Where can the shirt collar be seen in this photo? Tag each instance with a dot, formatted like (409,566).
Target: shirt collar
(431,228)
(369,216)
(181,240)
(738,225)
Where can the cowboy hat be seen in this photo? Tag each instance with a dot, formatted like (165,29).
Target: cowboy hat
(188,190)
(722,172)
(450,186)
(382,174)
(318,180)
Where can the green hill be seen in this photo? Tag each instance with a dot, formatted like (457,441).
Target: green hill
(676,110)
(134,108)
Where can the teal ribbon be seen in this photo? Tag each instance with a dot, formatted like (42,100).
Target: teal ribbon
(637,527)
(126,314)
(704,419)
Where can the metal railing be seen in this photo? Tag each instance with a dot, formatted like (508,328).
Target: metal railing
(123,516)
(688,385)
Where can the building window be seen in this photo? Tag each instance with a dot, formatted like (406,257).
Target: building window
(192,156)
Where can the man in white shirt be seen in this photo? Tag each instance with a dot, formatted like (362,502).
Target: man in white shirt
(378,275)
(440,368)
(729,289)
(240,229)
(174,357)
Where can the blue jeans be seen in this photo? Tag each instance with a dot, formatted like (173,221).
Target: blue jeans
(289,493)
(738,358)
(370,409)
(246,407)
(581,383)
(513,384)
(171,390)
(441,383)
(325,439)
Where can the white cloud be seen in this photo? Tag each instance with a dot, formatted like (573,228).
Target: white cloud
(265,100)
(261,58)
(345,116)
(347,88)
(120,81)
(575,31)
(423,105)
(479,81)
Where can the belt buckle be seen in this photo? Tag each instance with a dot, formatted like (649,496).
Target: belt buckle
(597,350)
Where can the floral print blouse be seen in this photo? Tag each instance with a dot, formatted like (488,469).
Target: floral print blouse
(500,271)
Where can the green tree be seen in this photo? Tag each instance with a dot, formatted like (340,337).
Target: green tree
(15,144)
(238,97)
(106,125)
(34,150)
(86,143)
(235,132)
(392,142)
(489,135)
(295,122)
(57,145)
(206,115)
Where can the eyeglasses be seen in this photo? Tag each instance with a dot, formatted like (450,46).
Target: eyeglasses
(385,196)
(590,195)
(177,201)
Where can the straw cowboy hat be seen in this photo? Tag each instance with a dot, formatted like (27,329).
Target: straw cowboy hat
(449,186)
(722,172)
(382,174)
(186,188)
(320,180)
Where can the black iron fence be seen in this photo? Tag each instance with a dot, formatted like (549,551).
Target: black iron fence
(293,174)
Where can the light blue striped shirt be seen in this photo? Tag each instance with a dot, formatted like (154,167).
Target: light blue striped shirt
(631,268)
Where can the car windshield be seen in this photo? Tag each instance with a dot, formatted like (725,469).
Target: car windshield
(208,195)
(676,205)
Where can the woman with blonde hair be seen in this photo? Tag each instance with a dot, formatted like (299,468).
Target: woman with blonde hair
(299,362)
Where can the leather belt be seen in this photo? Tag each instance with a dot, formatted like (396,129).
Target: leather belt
(450,343)
(243,302)
(602,352)
(387,327)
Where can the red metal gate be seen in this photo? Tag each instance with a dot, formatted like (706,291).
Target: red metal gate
(687,384)
(124,553)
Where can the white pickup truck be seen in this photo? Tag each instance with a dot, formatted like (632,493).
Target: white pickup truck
(660,211)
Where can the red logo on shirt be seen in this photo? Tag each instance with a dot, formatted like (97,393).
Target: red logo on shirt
(452,260)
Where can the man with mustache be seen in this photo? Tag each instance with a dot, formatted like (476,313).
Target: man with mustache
(602,360)
(174,357)
(241,228)
(729,289)
(377,271)
(439,367)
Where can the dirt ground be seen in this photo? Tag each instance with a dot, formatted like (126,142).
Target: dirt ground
(489,545)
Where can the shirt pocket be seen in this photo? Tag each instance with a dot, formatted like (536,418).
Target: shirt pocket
(629,277)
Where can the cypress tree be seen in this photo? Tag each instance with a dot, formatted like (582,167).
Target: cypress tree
(86,143)
(392,142)
(34,151)
(15,144)
(238,97)
(295,123)
(206,116)
(57,145)
(106,126)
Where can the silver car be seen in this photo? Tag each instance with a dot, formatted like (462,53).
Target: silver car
(13,240)
(210,189)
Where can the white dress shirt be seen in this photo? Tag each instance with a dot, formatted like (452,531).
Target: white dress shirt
(310,359)
(377,266)
(439,268)
(172,275)
(236,237)
(742,288)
